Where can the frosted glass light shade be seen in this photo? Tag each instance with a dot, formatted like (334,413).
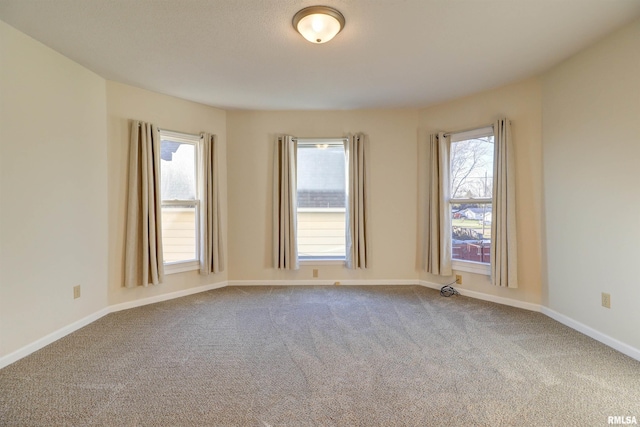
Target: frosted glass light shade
(318,24)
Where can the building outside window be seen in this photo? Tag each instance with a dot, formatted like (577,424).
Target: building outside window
(321,193)
(180,202)
(471,192)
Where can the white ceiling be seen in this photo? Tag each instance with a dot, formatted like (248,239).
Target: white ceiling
(246,54)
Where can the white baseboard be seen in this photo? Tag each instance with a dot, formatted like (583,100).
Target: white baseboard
(53,336)
(590,332)
(165,297)
(323,282)
(62,332)
(486,297)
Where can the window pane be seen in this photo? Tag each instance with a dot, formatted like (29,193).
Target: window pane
(471,232)
(178,171)
(179,233)
(321,176)
(321,233)
(321,201)
(472,168)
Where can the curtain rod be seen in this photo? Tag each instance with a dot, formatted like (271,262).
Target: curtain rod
(180,133)
(175,131)
(468,130)
(320,139)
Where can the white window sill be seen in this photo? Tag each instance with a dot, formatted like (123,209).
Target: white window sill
(471,267)
(181,267)
(322,262)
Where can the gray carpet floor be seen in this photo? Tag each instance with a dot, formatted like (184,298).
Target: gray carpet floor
(321,356)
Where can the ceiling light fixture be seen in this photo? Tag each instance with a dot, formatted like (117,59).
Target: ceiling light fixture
(318,24)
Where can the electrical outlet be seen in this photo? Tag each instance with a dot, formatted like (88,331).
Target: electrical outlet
(76,292)
(315,272)
(606,300)
(459,279)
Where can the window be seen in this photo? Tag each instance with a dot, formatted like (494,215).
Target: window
(180,202)
(321,192)
(471,180)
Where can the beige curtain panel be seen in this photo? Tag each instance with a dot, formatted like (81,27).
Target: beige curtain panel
(143,247)
(437,234)
(211,246)
(504,253)
(357,228)
(285,248)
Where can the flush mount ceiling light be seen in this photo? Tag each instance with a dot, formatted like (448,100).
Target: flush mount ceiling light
(318,24)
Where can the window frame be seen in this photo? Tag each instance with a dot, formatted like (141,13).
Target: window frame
(483,268)
(329,142)
(173,267)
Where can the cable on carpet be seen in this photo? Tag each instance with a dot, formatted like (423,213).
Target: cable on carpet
(448,290)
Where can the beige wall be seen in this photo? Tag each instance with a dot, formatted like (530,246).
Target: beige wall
(591,130)
(392,136)
(520,102)
(125,103)
(53,190)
